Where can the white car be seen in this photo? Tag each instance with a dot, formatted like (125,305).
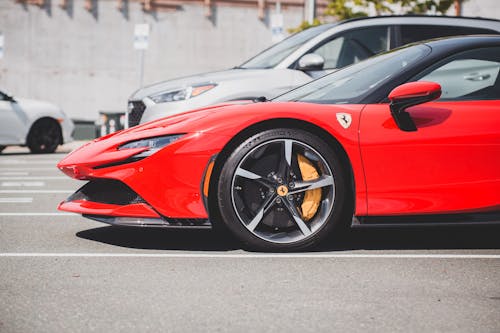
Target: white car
(40,125)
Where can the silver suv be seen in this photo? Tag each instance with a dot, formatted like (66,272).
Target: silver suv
(296,60)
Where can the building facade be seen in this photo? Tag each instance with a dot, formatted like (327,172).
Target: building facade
(82,56)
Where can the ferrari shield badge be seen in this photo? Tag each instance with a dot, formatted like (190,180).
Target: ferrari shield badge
(344,119)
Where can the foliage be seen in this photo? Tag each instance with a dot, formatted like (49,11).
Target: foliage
(421,7)
(348,9)
(305,25)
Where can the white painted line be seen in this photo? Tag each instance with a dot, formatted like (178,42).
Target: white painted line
(14,173)
(16,200)
(31,162)
(35,178)
(256,256)
(29,169)
(39,214)
(34,191)
(23,184)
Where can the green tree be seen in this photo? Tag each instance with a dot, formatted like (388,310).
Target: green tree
(305,25)
(346,9)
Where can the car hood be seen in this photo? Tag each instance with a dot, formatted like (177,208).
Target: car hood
(223,121)
(229,118)
(32,105)
(233,74)
(184,122)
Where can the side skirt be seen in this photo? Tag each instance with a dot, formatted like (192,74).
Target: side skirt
(468,219)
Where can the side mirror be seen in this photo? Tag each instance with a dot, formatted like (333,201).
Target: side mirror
(311,62)
(410,94)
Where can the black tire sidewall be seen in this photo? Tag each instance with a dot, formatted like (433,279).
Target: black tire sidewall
(231,220)
(31,141)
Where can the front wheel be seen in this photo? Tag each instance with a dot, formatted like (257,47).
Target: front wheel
(44,136)
(282,190)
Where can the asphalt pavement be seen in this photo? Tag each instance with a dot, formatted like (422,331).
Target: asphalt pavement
(60,272)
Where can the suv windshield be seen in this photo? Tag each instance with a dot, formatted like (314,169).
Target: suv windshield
(276,53)
(351,84)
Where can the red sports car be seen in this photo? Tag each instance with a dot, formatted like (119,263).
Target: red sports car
(408,137)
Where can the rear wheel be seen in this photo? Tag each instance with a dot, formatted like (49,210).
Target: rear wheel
(44,136)
(282,190)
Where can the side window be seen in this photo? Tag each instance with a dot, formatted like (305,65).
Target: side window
(471,75)
(416,33)
(354,46)
(330,52)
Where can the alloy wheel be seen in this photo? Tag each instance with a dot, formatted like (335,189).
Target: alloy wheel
(283,191)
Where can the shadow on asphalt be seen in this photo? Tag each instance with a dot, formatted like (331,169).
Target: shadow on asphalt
(432,238)
(160,239)
(416,238)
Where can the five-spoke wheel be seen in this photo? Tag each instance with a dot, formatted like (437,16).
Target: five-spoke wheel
(281,190)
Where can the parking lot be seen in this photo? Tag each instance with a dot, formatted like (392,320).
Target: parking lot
(61,272)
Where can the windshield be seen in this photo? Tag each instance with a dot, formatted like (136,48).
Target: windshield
(351,84)
(272,56)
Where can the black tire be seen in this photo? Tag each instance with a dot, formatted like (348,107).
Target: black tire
(2,148)
(260,189)
(44,136)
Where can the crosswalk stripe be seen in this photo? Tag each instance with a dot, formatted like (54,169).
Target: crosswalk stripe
(16,200)
(23,184)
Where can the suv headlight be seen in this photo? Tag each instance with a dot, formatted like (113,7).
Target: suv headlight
(181,94)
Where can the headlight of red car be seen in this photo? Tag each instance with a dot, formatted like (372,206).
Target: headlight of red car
(152,145)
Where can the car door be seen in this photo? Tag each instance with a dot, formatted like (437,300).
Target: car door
(12,121)
(451,164)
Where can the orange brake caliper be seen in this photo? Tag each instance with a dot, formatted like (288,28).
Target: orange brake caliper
(312,198)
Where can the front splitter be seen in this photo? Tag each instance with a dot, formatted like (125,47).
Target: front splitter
(152,222)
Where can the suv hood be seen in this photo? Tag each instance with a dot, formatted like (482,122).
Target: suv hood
(233,74)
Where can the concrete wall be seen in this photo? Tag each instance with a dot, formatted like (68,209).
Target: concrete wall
(482,8)
(85,61)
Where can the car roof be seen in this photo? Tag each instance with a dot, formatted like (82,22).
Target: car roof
(416,17)
(351,24)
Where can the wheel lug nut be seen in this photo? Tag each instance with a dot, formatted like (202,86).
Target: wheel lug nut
(289,197)
(278,200)
(280,180)
(291,185)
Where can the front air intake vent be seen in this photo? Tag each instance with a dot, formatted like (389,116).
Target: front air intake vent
(107,191)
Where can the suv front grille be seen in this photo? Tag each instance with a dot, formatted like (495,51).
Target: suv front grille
(135,113)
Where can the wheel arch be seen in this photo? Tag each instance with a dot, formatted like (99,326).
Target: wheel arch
(213,212)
